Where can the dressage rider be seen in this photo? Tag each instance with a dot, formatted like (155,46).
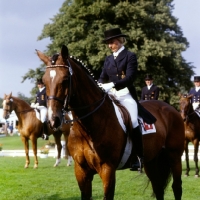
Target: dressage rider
(117,77)
(150,91)
(41,104)
(195,100)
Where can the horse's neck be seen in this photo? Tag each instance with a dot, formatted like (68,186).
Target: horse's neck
(191,110)
(20,106)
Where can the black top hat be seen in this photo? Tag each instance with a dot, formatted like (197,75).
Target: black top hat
(196,78)
(148,77)
(39,81)
(113,33)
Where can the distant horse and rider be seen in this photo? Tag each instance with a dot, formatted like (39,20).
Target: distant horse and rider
(30,128)
(191,120)
(97,141)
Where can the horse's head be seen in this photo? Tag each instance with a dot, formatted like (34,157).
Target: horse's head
(56,79)
(7,106)
(185,105)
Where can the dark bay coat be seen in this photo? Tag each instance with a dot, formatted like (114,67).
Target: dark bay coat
(122,72)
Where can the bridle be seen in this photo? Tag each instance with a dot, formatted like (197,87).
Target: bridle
(10,102)
(65,102)
(187,113)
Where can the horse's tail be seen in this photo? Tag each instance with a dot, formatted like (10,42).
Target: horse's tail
(161,176)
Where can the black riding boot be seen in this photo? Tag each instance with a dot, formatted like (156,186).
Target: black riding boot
(136,137)
(45,131)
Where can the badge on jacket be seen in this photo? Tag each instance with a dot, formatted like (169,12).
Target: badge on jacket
(123,75)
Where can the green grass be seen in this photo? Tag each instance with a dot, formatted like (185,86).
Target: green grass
(49,183)
(14,142)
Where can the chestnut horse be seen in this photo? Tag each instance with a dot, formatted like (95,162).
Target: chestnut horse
(30,127)
(97,141)
(192,130)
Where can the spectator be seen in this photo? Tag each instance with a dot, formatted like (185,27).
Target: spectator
(150,91)
(195,100)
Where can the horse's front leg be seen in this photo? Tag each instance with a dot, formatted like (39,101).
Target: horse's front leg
(107,174)
(187,158)
(57,137)
(196,149)
(26,147)
(84,177)
(34,146)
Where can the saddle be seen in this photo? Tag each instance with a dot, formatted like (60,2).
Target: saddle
(146,123)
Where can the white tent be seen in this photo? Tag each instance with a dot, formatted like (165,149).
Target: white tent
(13,118)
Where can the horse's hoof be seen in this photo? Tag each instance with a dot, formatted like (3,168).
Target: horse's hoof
(196,176)
(55,165)
(68,165)
(186,175)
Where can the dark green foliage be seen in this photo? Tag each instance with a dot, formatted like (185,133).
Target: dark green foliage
(154,36)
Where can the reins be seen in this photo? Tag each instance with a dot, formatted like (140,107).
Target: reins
(23,111)
(74,120)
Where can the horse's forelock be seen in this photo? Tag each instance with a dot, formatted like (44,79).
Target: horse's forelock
(54,58)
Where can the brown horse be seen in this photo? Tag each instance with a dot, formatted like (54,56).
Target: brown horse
(30,127)
(192,130)
(97,141)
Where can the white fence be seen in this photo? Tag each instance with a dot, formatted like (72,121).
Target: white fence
(53,153)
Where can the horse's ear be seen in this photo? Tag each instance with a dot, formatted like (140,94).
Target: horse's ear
(43,57)
(64,52)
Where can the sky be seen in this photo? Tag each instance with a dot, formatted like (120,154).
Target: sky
(22,21)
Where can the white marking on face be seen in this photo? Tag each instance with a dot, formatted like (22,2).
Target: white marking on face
(52,74)
(4,103)
(50,112)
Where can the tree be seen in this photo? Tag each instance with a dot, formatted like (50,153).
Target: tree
(154,36)
(23,97)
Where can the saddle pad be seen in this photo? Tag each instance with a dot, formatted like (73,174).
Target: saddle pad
(119,117)
(146,128)
(37,114)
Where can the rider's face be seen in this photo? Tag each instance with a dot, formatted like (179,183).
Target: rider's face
(148,82)
(114,44)
(197,83)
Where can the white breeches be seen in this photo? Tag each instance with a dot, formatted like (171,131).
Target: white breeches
(43,113)
(130,104)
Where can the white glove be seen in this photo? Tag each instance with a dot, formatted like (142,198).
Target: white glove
(32,105)
(107,86)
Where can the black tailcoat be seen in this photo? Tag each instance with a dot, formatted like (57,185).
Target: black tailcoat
(122,72)
(41,98)
(196,95)
(150,94)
